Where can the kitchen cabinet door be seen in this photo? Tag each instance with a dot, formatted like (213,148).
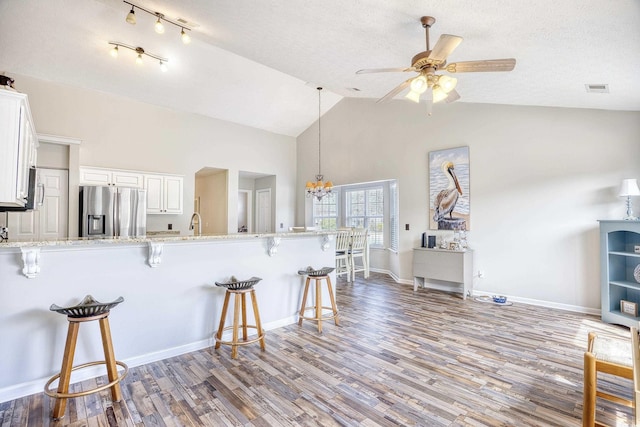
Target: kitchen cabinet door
(118,178)
(17,148)
(164,193)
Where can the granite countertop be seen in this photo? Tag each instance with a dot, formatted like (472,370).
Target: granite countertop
(81,241)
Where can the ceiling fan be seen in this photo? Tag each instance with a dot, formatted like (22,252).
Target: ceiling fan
(439,87)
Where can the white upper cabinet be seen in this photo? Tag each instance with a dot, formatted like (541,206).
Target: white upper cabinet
(18,145)
(164,193)
(118,178)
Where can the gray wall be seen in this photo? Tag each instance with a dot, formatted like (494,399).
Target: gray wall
(540,180)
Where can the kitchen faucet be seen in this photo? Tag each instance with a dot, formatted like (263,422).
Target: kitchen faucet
(196,218)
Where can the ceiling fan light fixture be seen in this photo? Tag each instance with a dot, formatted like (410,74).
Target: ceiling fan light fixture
(419,84)
(447,83)
(413,96)
(439,94)
(131,17)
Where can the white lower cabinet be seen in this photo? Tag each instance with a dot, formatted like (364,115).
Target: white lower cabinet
(164,193)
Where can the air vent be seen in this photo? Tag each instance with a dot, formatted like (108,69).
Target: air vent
(597,88)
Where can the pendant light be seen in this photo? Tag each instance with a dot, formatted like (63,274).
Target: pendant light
(319,189)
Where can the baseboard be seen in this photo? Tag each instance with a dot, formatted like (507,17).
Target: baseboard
(529,301)
(37,385)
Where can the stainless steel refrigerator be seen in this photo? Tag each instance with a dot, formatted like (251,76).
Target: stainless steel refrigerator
(112,212)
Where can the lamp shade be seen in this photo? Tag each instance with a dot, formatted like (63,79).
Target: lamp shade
(629,187)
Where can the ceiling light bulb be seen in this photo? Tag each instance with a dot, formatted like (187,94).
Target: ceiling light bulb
(159,27)
(114,51)
(186,39)
(413,96)
(139,59)
(447,83)
(131,17)
(163,67)
(419,84)
(438,94)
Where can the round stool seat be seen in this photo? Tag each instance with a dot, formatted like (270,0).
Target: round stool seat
(235,284)
(89,309)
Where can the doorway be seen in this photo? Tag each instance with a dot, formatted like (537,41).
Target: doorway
(245,211)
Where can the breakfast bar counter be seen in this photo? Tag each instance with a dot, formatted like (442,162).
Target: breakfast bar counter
(171,304)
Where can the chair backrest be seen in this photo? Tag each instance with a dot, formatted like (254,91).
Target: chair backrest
(359,239)
(635,347)
(343,239)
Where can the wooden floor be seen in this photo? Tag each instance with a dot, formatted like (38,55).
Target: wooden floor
(398,358)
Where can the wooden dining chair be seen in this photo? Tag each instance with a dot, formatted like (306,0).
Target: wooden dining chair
(615,356)
(343,246)
(359,249)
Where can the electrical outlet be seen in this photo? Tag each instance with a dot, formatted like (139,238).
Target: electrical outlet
(281,225)
(480,274)
(169,226)
(406,227)
(636,249)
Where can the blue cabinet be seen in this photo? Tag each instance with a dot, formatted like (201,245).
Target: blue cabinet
(620,256)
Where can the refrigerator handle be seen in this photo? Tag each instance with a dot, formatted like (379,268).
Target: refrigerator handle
(116,214)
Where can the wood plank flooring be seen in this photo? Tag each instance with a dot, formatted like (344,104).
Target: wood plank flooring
(398,358)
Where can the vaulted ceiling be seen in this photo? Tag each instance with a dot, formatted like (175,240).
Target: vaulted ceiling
(258,63)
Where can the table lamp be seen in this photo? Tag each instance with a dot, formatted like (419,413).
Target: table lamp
(629,188)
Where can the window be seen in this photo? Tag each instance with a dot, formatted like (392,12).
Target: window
(365,209)
(325,211)
(372,205)
(394,219)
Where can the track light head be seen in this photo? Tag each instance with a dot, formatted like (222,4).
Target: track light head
(159,26)
(131,17)
(186,39)
(114,51)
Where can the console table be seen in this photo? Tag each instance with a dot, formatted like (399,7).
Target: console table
(442,264)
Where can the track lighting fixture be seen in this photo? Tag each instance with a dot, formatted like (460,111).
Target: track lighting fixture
(159,25)
(131,17)
(140,51)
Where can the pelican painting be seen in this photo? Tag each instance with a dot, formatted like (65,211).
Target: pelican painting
(446,199)
(449,189)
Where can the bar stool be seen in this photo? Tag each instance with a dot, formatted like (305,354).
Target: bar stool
(239,289)
(318,276)
(88,310)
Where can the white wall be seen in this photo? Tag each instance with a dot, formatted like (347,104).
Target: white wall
(540,180)
(121,133)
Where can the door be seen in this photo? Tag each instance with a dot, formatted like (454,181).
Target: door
(49,221)
(263,211)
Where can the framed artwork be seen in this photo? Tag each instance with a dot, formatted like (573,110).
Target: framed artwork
(449,189)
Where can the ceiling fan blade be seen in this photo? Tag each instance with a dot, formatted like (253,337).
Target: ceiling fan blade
(444,46)
(482,66)
(402,86)
(453,96)
(385,70)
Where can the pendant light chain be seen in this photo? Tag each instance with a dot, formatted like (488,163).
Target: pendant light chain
(319,127)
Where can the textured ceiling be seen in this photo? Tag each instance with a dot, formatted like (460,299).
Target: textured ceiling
(258,62)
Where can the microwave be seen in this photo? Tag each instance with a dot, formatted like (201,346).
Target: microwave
(31,202)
